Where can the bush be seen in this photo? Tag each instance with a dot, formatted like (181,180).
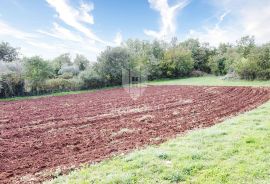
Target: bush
(11,79)
(91,79)
(231,75)
(217,65)
(110,64)
(264,74)
(60,84)
(247,69)
(197,73)
(36,72)
(66,76)
(177,63)
(11,84)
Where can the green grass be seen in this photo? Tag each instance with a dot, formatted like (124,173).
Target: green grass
(235,151)
(210,81)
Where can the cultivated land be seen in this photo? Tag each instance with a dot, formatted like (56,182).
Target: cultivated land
(41,135)
(235,151)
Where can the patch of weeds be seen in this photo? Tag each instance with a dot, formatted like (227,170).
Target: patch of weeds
(225,177)
(250,140)
(196,156)
(261,128)
(163,156)
(175,177)
(191,170)
(119,179)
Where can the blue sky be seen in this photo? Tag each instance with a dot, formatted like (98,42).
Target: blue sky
(51,27)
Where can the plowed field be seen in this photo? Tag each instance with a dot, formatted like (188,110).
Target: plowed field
(39,135)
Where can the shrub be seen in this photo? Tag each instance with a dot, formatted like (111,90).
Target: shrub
(247,69)
(66,76)
(197,73)
(36,72)
(110,64)
(264,74)
(60,84)
(90,79)
(217,65)
(177,63)
(11,84)
(11,79)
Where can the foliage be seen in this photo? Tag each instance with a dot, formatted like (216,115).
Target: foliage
(72,69)
(81,61)
(256,65)
(245,45)
(12,84)
(157,59)
(60,61)
(11,79)
(111,62)
(91,79)
(60,84)
(200,54)
(36,72)
(197,73)
(177,63)
(8,53)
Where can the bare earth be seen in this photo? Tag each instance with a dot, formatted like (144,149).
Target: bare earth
(40,135)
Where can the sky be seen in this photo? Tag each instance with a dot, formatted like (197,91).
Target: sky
(49,28)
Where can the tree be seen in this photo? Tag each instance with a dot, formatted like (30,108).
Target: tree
(36,72)
(8,53)
(177,62)
(81,61)
(245,45)
(62,60)
(111,62)
(223,48)
(200,53)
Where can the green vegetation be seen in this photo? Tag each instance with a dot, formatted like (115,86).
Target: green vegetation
(156,59)
(210,81)
(235,151)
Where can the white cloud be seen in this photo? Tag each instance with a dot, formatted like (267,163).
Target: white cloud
(8,30)
(216,34)
(76,17)
(72,35)
(62,33)
(32,44)
(168,15)
(118,39)
(85,13)
(246,17)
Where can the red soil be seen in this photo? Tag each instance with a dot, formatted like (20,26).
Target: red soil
(40,135)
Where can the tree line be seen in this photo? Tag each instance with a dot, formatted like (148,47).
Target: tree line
(35,75)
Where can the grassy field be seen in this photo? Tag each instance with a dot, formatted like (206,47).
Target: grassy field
(235,151)
(210,81)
